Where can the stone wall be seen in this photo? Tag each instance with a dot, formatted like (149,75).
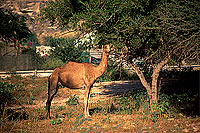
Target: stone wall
(20,62)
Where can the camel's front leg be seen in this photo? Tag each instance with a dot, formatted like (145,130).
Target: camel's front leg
(86,100)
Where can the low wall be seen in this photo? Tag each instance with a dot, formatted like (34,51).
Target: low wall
(39,73)
(20,62)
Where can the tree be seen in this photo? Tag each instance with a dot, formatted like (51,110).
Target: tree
(176,30)
(13,28)
(60,11)
(150,32)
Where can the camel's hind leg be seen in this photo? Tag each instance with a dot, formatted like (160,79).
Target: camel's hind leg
(52,90)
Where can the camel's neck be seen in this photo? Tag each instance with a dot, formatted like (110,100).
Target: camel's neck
(101,68)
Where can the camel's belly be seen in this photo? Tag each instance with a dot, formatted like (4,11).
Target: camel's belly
(71,81)
(74,85)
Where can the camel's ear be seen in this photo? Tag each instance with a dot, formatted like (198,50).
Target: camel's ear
(105,46)
(110,45)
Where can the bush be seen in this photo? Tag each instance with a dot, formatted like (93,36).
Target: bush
(6,96)
(125,104)
(6,90)
(66,49)
(52,63)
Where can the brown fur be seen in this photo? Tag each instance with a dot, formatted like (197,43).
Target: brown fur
(77,75)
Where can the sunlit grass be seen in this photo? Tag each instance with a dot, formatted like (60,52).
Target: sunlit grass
(126,113)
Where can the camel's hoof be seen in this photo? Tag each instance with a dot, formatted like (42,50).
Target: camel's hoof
(87,115)
(48,117)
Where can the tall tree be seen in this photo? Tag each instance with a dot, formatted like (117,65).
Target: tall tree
(13,27)
(150,32)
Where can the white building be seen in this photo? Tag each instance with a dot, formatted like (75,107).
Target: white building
(44,50)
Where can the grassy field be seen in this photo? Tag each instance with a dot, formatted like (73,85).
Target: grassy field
(24,111)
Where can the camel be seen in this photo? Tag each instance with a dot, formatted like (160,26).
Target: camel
(77,75)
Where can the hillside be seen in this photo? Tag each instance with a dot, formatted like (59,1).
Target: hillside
(31,9)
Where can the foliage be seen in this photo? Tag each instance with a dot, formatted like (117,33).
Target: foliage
(176,23)
(66,49)
(114,72)
(60,11)
(51,63)
(79,120)
(13,26)
(73,100)
(31,40)
(124,104)
(151,32)
(159,109)
(116,112)
(56,121)
(6,92)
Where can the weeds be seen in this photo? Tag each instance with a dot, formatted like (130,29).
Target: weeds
(6,90)
(56,121)
(73,100)
(6,94)
(128,112)
(60,108)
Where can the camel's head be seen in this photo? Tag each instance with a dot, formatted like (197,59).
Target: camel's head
(107,48)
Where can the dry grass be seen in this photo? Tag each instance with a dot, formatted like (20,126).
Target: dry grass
(29,117)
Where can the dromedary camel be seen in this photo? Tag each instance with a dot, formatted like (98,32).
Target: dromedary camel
(77,75)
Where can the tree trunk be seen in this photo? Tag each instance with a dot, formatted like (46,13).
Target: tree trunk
(142,79)
(155,75)
(151,89)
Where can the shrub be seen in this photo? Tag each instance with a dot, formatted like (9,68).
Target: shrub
(6,97)
(6,90)
(52,63)
(125,104)
(66,49)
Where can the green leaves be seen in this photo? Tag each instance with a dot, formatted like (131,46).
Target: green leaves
(6,92)
(73,100)
(13,26)
(66,49)
(150,29)
(60,11)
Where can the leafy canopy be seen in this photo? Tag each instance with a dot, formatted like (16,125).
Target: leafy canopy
(151,30)
(13,26)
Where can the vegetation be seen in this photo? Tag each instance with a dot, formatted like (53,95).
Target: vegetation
(148,35)
(51,63)
(115,72)
(6,94)
(125,112)
(66,49)
(154,33)
(13,28)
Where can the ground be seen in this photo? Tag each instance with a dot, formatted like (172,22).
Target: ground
(28,115)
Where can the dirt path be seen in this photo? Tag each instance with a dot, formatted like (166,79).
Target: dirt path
(100,91)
